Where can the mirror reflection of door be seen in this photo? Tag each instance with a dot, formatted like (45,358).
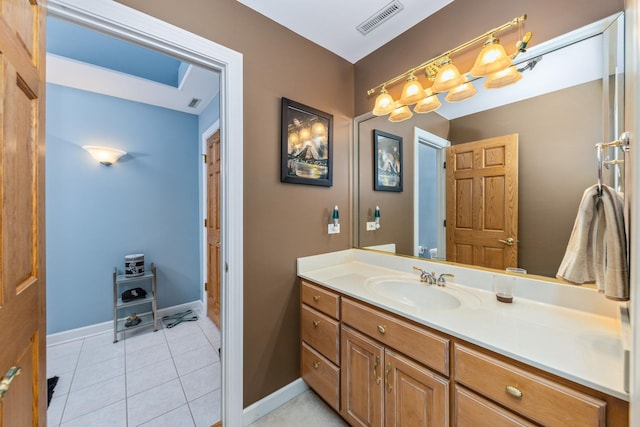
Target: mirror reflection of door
(430,189)
(482,202)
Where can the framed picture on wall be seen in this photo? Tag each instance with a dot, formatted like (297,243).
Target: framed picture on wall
(387,161)
(306,145)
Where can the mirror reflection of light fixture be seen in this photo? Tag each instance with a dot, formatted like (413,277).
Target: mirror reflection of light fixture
(400,114)
(502,78)
(492,61)
(460,93)
(428,104)
(105,155)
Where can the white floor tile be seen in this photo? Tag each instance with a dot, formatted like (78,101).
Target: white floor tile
(90,399)
(206,409)
(147,356)
(98,372)
(144,339)
(187,343)
(150,376)
(178,417)
(195,359)
(211,331)
(94,353)
(63,385)
(54,412)
(182,330)
(201,381)
(61,365)
(154,402)
(100,340)
(114,415)
(66,349)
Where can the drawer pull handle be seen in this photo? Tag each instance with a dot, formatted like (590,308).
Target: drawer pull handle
(382,329)
(316,323)
(316,297)
(316,365)
(375,366)
(386,377)
(514,391)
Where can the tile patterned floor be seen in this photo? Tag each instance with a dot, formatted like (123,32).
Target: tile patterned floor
(171,378)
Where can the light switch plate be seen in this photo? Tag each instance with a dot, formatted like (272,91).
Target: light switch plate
(371,226)
(334,229)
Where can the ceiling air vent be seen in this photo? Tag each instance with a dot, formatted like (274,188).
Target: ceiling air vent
(379,17)
(194,102)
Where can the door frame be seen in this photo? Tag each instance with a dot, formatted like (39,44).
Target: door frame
(421,136)
(129,24)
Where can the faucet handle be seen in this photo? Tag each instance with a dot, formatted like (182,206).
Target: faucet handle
(442,279)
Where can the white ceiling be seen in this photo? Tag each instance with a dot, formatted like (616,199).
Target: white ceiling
(332,23)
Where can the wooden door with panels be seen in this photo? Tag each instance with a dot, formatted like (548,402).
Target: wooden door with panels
(212,223)
(23,397)
(482,202)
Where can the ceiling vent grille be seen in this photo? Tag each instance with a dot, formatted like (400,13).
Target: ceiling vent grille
(194,102)
(379,17)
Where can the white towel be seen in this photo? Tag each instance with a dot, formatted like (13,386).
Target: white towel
(578,264)
(597,248)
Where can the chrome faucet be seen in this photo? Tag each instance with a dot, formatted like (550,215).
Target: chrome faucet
(426,277)
(442,279)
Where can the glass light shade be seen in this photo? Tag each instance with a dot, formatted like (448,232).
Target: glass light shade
(502,78)
(412,91)
(400,114)
(460,93)
(447,78)
(384,104)
(104,155)
(427,105)
(492,58)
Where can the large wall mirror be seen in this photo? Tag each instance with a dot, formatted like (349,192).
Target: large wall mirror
(569,99)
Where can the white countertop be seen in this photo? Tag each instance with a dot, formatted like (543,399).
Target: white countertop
(566,330)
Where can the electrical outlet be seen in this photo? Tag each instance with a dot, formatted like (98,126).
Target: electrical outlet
(333,229)
(371,226)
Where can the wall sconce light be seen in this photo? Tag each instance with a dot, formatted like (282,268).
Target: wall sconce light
(375,224)
(492,61)
(334,228)
(105,155)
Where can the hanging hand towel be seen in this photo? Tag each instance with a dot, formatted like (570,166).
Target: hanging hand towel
(578,264)
(610,247)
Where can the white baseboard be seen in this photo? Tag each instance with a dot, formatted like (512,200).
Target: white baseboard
(273,401)
(101,328)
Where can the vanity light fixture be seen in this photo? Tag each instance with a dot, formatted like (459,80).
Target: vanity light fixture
(105,155)
(492,61)
(334,228)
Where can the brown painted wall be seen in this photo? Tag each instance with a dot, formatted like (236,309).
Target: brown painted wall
(281,221)
(396,208)
(556,164)
(464,20)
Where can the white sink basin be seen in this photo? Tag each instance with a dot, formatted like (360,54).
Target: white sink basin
(413,293)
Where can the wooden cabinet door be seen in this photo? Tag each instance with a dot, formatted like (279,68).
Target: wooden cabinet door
(362,371)
(414,396)
(22,263)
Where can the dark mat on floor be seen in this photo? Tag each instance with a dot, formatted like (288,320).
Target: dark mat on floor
(51,384)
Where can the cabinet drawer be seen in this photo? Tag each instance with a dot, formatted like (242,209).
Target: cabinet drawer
(321,375)
(472,410)
(321,332)
(542,400)
(415,342)
(321,299)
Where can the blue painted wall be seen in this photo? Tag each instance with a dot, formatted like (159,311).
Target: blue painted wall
(209,115)
(146,203)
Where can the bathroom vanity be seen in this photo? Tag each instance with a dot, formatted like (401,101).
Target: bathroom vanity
(382,348)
